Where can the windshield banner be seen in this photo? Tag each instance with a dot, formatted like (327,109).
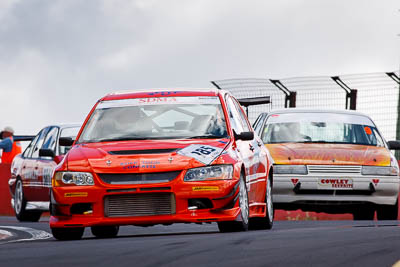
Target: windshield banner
(199,100)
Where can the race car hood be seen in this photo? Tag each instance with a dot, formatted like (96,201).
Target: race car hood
(144,155)
(328,154)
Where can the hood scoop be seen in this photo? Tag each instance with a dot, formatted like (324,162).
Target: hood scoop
(144,151)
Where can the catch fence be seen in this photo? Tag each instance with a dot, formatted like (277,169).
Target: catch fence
(375,94)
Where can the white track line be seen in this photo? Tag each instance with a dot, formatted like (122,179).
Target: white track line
(5,234)
(36,234)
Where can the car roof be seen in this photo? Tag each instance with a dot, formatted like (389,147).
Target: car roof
(162,92)
(64,125)
(310,110)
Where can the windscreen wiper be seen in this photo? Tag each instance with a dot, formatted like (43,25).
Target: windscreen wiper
(123,138)
(206,136)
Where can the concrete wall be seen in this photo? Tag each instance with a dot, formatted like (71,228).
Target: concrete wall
(5,197)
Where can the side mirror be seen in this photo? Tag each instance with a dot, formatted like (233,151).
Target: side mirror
(395,145)
(65,141)
(245,136)
(45,152)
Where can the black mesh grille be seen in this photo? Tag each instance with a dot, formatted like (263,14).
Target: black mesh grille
(139,205)
(147,151)
(332,192)
(138,178)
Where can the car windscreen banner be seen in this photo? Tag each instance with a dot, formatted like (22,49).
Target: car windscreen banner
(200,100)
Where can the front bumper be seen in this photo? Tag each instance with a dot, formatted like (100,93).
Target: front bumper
(85,206)
(306,190)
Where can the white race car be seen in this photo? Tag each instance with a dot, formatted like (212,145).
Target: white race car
(331,161)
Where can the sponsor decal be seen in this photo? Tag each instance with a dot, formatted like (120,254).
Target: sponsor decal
(295,181)
(202,153)
(162,93)
(76,194)
(375,181)
(130,165)
(367,130)
(335,183)
(143,164)
(47,175)
(149,164)
(154,100)
(205,188)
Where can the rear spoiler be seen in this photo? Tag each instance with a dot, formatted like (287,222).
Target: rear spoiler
(20,137)
(253,101)
(23,137)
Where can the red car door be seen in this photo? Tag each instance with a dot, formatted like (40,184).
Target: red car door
(45,165)
(257,161)
(245,148)
(32,189)
(29,173)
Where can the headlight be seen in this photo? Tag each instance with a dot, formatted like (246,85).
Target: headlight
(73,178)
(378,170)
(290,169)
(215,172)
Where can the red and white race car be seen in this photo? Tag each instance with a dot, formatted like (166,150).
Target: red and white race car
(163,157)
(31,171)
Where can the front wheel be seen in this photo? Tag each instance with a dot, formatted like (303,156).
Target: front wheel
(20,206)
(364,213)
(258,223)
(74,233)
(387,212)
(105,231)
(243,224)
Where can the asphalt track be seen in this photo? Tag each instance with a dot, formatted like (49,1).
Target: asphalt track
(289,243)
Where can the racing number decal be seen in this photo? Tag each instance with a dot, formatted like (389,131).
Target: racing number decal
(203,153)
(203,150)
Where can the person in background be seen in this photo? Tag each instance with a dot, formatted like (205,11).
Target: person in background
(9,147)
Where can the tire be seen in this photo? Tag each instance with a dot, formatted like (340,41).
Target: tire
(105,231)
(74,233)
(243,224)
(266,222)
(387,212)
(20,206)
(364,213)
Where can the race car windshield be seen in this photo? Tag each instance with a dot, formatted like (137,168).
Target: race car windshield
(156,118)
(321,128)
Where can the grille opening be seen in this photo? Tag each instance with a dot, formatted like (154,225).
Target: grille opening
(334,192)
(138,178)
(142,204)
(81,208)
(339,169)
(147,151)
(200,203)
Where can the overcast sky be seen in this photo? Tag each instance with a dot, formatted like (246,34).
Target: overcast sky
(57,57)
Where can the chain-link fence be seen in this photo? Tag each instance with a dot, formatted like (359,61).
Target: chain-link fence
(377,95)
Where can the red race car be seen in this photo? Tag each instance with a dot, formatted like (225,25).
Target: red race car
(31,171)
(145,157)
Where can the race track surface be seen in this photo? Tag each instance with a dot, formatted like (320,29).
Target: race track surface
(289,243)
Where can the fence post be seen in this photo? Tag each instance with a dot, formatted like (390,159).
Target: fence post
(351,94)
(353,99)
(397,80)
(290,96)
(216,85)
